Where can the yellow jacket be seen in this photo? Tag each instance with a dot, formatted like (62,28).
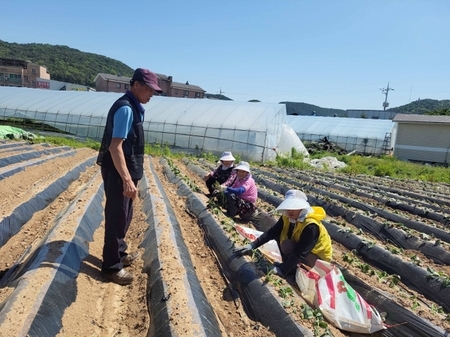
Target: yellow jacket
(323,248)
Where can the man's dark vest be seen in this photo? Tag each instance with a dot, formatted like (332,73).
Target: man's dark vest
(133,145)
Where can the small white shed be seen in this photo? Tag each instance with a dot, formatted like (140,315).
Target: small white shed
(423,138)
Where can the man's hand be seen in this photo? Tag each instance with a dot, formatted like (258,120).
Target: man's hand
(129,189)
(243,250)
(223,188)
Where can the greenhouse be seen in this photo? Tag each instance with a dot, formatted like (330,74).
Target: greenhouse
(256,131)
(365,136)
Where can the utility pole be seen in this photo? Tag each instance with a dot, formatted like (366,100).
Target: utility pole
(385,91)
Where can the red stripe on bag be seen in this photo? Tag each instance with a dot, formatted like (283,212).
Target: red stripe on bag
(318,294)
(331,290)
(366,305)
(313,275)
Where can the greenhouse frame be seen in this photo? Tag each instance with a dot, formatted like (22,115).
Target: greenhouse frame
(363,136)
(255,131)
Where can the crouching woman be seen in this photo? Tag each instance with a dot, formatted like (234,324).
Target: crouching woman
(241,192)
(221,173)
(300,234)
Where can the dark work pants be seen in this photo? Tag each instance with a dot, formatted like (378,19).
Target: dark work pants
(209,184)
(237,206)
(287,248)
(118,215)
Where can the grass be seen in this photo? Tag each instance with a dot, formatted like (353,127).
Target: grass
(384,166)
(72,142)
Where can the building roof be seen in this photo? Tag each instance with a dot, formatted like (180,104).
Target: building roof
(182,86)
(416,118)
(163,77)
(13,62)
(115,78)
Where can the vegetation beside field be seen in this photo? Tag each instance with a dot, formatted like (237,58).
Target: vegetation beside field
(373,166)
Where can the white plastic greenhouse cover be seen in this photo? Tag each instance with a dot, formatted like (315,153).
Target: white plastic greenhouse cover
(253,130)
(369,136)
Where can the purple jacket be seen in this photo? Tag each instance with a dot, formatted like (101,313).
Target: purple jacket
(250,192)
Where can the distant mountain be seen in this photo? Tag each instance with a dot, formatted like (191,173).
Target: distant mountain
(305,109)
(217,96)
(422,106)
(65,64)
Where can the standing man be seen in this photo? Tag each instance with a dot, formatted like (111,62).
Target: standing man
(121,157)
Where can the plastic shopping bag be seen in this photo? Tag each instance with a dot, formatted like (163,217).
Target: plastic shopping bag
(269,249)
(325,287)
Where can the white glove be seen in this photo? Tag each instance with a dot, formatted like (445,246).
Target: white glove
(243,250)
(223,188)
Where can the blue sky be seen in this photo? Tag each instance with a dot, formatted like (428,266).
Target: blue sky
(331,53)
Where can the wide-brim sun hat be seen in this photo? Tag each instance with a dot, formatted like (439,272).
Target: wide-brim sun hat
(227,156)
(294,200)
(243,166)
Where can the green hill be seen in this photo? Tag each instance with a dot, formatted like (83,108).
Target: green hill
(65,64)
(217,96)
(423,106)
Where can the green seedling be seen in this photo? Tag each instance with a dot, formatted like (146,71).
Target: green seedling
(285,292)
(346,230)
(437,309)
(287,303)
(382,275)
(394,250)
(415,305)
(307,312)
(424,236)
(364,267)
(369,244)
(446,282)
(395,279)
(415,259)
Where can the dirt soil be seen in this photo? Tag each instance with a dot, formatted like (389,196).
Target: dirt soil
(102,308)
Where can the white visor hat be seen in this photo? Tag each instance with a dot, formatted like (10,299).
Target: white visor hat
(227,156)
(243,166)
(294,200)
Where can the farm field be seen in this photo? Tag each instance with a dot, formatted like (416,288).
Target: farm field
(389,236)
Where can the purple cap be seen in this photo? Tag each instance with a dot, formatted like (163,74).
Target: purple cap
(148,77)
